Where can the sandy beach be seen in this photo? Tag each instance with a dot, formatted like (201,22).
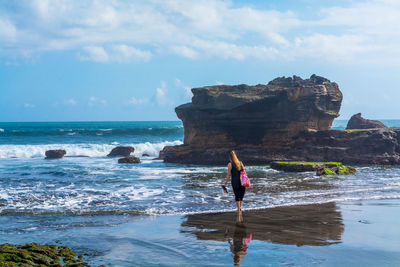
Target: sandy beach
(358,233)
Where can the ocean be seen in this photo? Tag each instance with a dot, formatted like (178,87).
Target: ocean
(88,189)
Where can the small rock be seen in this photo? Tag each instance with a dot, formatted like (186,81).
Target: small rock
(121,151)
(340,170)
(55,154)
(145,155)
(358,122)
(129,159)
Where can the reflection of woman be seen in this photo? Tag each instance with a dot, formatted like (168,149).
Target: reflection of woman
(239,243)
(234,169)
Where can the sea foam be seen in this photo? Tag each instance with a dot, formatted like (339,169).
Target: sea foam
(89,150)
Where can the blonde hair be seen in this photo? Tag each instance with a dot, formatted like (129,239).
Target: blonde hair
(235,160)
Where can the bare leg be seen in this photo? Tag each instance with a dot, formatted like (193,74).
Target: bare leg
(238,206)
(239,218)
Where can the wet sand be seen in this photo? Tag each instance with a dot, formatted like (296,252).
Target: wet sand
(362,233)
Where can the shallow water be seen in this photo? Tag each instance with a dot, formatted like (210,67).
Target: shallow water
(356,233)
(98,184)
(107,210)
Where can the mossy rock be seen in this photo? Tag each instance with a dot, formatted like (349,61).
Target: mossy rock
(34,254)
(341,170)
(302,166)
(129,159)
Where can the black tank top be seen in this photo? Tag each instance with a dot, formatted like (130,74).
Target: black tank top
(235,180)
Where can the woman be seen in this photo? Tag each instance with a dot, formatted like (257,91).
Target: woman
(234,169)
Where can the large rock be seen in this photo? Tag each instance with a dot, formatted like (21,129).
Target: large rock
(261,115)
(121,151)
(287,119)
(55,154)
(358,122)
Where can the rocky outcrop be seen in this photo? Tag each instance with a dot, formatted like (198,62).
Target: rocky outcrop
(374,146)
(55,154)
(358,122)
(287,119)
(121,151)
(302,166)
(261,115)
(129,159)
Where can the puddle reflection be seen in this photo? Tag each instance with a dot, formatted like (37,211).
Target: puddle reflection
(312,225)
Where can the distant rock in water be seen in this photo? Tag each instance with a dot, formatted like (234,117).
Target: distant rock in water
(55,154)
(129,159)
(121,151)
(145,155)
(358,122)
(289,119)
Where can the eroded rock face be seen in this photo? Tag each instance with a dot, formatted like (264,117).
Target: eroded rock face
(287,119)
(121,151)
(358,122)
(55,154)
(373,146)
(261,115)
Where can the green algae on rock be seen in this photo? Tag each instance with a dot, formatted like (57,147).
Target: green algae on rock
(302,166)
(34,254)
(341,170)
(322,168)
(129,159)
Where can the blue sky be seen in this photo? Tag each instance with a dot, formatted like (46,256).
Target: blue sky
(65,60)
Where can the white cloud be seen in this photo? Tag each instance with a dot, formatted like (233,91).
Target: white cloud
(185,51)
(8,32)
(161,95)
(94,101)
(95,53)
(137,31)
(28,105)
(124,53)
(71,102)
(186,89)
(137,101)
(116,53)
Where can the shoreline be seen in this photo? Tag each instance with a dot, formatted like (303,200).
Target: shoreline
(303,235)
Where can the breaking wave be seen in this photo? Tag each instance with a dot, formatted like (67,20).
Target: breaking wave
(88,150)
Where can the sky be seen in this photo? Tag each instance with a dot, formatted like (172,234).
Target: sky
(106,60)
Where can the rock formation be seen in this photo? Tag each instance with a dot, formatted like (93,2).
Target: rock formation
(121,151)
(358,122)
(55,154)
(287,119)
(267,115)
